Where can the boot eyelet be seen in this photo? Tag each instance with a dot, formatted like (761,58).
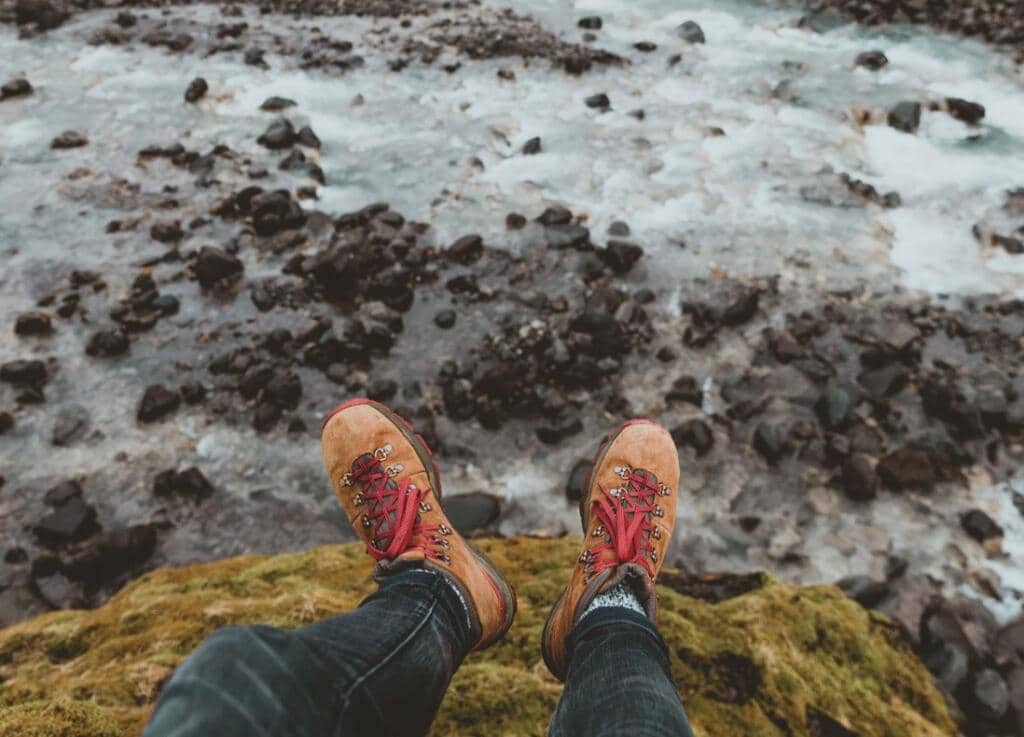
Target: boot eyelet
(367,523)
(383,452)
(425,507)
(346,480)
(663,490)
(394,470)
(598,531)
(359,500)
(658,511)
(656,533)
(622,472)
(654,556)
(445,530)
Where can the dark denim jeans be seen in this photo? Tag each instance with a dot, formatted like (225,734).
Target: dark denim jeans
(383,669)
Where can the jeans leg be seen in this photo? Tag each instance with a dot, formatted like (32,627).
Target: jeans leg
(381,669)
(619,681)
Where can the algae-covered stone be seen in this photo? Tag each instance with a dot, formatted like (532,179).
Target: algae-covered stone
(751,656)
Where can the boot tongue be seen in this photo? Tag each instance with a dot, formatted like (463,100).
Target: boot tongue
(388,520)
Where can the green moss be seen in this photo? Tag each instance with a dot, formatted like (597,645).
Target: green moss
(58,718)
(755,664)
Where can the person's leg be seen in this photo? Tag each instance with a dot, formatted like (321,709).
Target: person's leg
(619,682)
(601,638)
(382,669)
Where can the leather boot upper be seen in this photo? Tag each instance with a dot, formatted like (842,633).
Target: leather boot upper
(388,485)
(628,510)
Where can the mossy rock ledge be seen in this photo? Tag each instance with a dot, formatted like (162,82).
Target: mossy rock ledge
(751,656)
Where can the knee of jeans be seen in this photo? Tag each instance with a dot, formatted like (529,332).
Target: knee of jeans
(227,645)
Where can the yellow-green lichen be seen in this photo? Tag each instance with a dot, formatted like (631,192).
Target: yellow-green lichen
(763,663)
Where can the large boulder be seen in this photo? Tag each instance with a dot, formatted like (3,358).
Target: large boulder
(750,655)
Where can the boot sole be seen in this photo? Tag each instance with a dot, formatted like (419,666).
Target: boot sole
(502,588)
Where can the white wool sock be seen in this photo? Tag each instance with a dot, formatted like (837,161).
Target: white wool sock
(622,596)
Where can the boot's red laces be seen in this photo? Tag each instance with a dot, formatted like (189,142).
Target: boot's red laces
(624,513)
(393,509)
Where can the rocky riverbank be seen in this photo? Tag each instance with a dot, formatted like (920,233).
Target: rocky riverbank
(799,249)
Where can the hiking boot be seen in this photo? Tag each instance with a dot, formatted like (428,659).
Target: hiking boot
(390,488)
(628,511)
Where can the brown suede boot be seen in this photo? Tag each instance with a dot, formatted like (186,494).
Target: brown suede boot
(388,484)
(628,511)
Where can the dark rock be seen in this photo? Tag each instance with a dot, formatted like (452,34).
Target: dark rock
(15,556)
(126,19)
(907,468)
(254,379)
(555,429)
(686,389)
(945,648)
(69,139)
(382,390)
(275,211)
(73,521)
(466,250)
(884,382)
(532,146)
(284,388)
(33,323)
(62,493)
(70,425)
(58,592)
(771,440)
(965,111)
(18,87)
(554,216)
(157,402)
(166,231)
(598,101)
(645,47)
(112,554)
(306,137)
(873,60)
(166,305)
(193,392)
(980,526)
(277,104)
(214,264)
(835,406)
(23,372)
(515,221)
(695,434)
(445,319)
(280,134)
(620,256)
(905,116)
(741,308)
(266,416)
(865,590)
(619,229)
(590,23)
(784,346)
(197,90)
(578,477)
(108,343)
(472,513)
(190,483)
(858,478)
(254,57)
(690,32)
(43,14)
(6,422)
